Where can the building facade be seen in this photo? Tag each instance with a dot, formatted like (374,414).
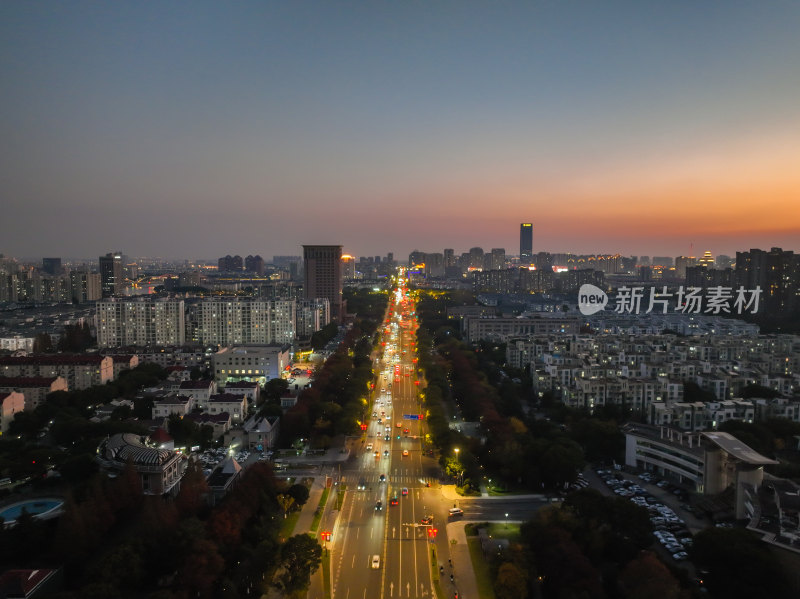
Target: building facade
(140,322)
(323,276)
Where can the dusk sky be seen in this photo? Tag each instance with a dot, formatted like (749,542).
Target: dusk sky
(198,129)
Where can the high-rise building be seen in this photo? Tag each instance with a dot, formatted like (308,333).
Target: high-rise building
(449,257)
(348,267)
(111,274)
(682,263)
(498,259)
(140,322)
(776,272)
(230,264)
(543,261)
(85,286)
(52,266)
(323,276)
(525,243)
(254,264)
(234,320)
(476,258)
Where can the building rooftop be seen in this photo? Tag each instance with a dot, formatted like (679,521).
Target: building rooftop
(737,449)
(26,381)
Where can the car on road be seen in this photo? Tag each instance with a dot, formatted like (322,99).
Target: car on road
(394,500)
(405,453)
(386,438)
(404,491)
(376,562)
(455,511)
(369,446)
(377,454)
(386,453)
(383,478)
(399,425)
(362,484)
(427,520)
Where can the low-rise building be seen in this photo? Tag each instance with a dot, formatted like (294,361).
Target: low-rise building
(80,371)
(35,389)
(251,390)
(178,405)
(160,470)
(231,403)
(201,390)
(11,404)
(708,463)
(254,363)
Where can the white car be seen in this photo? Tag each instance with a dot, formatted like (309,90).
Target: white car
(369,446)
(376,562)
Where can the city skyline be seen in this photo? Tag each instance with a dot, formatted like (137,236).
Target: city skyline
(176,130)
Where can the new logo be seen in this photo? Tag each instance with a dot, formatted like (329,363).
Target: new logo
(591,299)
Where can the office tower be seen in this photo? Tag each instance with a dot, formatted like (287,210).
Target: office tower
(51,266)
(390,259)
(140,322)
(111,274)
(644,261)
(323,276)
(254,264)
(525,243)
(665,261)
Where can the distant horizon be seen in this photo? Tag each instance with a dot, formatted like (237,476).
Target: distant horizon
(397,257)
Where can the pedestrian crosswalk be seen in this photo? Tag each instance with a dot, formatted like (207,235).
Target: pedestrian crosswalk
(405,480)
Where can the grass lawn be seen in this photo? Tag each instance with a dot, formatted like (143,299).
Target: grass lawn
(326,572)
(318,514)
(499,530)
(437,586)
(481,569)
(288,524)
(340,496)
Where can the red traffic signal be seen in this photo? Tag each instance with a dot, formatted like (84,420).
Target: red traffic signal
(326,536)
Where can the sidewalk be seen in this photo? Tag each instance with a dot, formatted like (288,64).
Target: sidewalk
(465,582)
(449,493)
(306,517)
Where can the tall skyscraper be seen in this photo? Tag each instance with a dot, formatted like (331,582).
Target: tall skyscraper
(323,276)
(525,243)
(111,274)
(52,266)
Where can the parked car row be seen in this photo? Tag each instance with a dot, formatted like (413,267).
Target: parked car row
(669,529)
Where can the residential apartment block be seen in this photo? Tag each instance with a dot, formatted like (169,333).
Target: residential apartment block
(80,371)
(140,322)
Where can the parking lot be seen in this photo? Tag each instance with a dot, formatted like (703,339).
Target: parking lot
(673,524)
